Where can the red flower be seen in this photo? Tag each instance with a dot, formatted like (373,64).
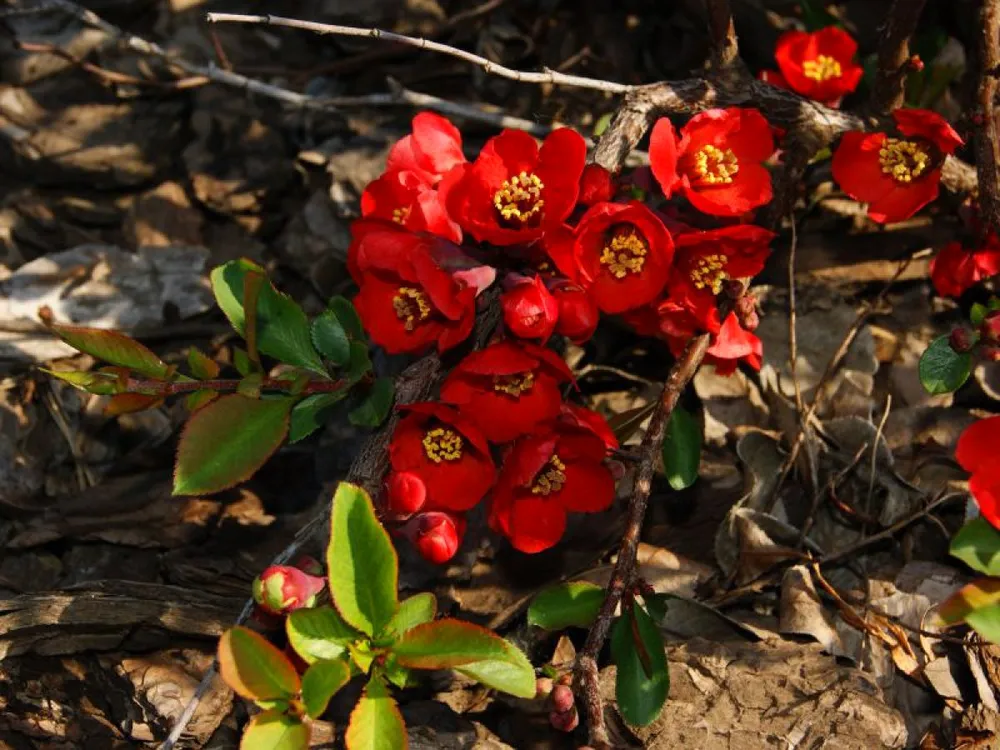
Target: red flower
(508,389)
(977,454)
(706,260)
(596,185)
(730,344)
(447,452)
(717,163)
(406,492)
(514,191)
(436,536)
(545,477)
(621,255)
(529,309)
(407,199)
(406,301)
(433,149)
(587,419)
(895,176)
(578,315)
(956,269)
(819,65)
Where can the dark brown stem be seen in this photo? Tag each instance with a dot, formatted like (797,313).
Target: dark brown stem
(987,148)
(164,388)
(725,50)
(587,682)
(888,88)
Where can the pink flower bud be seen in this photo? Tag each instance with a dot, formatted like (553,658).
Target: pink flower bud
(562,699)
(962,340)
(578,314)
(435,535)
(529,309)
(596,185)
(990,327)
(543,687)
(746,312)
(565,722)
(407,493)
(282,589)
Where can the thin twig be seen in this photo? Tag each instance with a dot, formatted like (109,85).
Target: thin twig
(725,50)
(793,338)
(889,86)
(987,147)
(875,445)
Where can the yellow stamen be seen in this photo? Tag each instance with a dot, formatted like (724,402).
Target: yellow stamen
(514,385)
(823,68)
(709,273)
(442,444)
(715,166)
(400,215)
(519,199)
(625,254)
(551,478)
(903,160)
(411,306)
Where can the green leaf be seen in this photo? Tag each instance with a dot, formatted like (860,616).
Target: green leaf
(227,441)
(115,348)
(254,668)
(273,730)
(977,544)
(320,683)
(602,124)
(319,633)
(642,680)
(375,408)
(942,369)
(416,610)
(513,675)
(986,622)
(656,605)
(250,386)
(309,414)
(447,643)
(978,313)
(202,366)
(681,450)
(348,317)
(242,363)
(980,594)
(282,327)
(330,338)
(376,723)
(360,364)
(568,605)
(198,399)
(361,562)
(99,383)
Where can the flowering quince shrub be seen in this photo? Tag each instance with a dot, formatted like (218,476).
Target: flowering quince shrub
(819,65)
(363,633)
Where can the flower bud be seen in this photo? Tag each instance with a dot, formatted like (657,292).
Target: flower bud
(746,312)
(282,589)
(435,535)
(562,699)
(989,329)
(596,185)
(962,340)
(407,493)
(529,309)
(734,288)
(565,722)
(309,564)
(543,688)
(578,314)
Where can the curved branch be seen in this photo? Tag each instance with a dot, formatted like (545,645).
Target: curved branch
(987,147)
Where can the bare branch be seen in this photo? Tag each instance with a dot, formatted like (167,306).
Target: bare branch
(888,89)
(987,147)
(725,50)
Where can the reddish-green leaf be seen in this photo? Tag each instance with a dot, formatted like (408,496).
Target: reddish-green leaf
(202,366)
(981,593)
(320,683)
(198,399)
(227,441)
(449,643)
(376,723)
(319,633)
(129,403)
(100,383)
(254,668)
(360,562)
(273,730)
(114,347)
(986,622)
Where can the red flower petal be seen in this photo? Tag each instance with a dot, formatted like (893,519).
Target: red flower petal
(977,447)
(664,155)
(922,123)
(536,524)
(986,491)
(589,487)
(904,201)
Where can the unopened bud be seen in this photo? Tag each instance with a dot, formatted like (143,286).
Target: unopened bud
(578,314)
(916,63)
(529,309)
(309,564)
(962,340)
(543,688)
(562,699)
(746,312)
(565,722)
(596,185)
(989,329)
(407,493)
(436,536)
(282,589)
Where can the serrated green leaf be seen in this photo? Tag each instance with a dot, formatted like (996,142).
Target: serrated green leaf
(309,414)
(320,683)
(361,562)
(360,364)
(986,622)
(977,544)
(202,366)
(681,450)
(513,674)
(319,633)
(225,442)
(567,605)
(98,383)
(273,730)
(641,679)
(282,327)
(942,369)
(376,723)
(255,668)
(115,348)
(330,338)
(416,610)
(375,408)
(447,643)
(348,316)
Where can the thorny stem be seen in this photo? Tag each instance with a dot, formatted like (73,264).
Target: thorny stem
(888,88)
(166,388)
(987,147)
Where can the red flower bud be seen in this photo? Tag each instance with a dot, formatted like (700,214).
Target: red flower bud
(962,340)
(746,312)
(282,589)
(596,185)
(578,314)
(310,565)
(529,309)
(407,493)
(436,535)
(565,722)
(989,329)
(916,63)
(562,699)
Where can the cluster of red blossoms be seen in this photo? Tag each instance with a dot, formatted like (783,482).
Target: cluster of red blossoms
(564,246)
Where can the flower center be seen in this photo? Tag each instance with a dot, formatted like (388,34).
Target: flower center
(519,199)
(400,215)
(551,478)
(625,254)
(709,273)
(411,306)
(823,68)
(715,166)
(514,385)
(442,444)
(903,160)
